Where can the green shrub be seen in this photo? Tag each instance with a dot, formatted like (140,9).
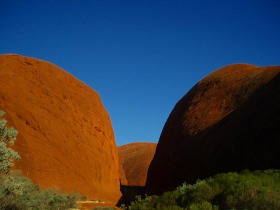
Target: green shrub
(256,190)
(246,190)
(8,137)
(205,205)
(18,192)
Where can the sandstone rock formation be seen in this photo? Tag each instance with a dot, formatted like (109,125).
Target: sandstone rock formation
(123,180)
(228,121)
(66,139)
(135,159)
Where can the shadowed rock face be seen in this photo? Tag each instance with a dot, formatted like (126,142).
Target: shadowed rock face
(135,159)
(66,139)
(229,121)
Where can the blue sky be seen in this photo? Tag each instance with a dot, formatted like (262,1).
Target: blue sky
(142,56)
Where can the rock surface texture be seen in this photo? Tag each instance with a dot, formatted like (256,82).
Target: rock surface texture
(228,121)
(66,139)
(135,159)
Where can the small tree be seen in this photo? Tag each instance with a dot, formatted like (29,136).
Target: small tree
(7,137)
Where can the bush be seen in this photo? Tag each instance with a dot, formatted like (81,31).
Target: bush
(246,190)
(8,137)
(257,190)
(18,192)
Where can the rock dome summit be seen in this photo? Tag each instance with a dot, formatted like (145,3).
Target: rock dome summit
(65,139)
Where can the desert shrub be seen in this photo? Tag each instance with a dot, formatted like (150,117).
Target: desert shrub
(7,139)
(165,202)
(18,192)
(256,190)
(205,205)
(246,190)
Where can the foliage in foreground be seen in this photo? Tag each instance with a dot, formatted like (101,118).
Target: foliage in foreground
(246,190)
(7,139)
(18,192)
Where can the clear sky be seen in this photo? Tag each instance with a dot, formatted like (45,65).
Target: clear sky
(142,56)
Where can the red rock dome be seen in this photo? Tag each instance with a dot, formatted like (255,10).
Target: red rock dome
(228,121)
(135,159)
(66,139)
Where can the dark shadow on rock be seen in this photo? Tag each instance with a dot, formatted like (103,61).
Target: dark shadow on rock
(247,138)
(129,193)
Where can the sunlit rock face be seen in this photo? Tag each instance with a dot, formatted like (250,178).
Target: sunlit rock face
(66,139)
(135,159)
(228,121)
